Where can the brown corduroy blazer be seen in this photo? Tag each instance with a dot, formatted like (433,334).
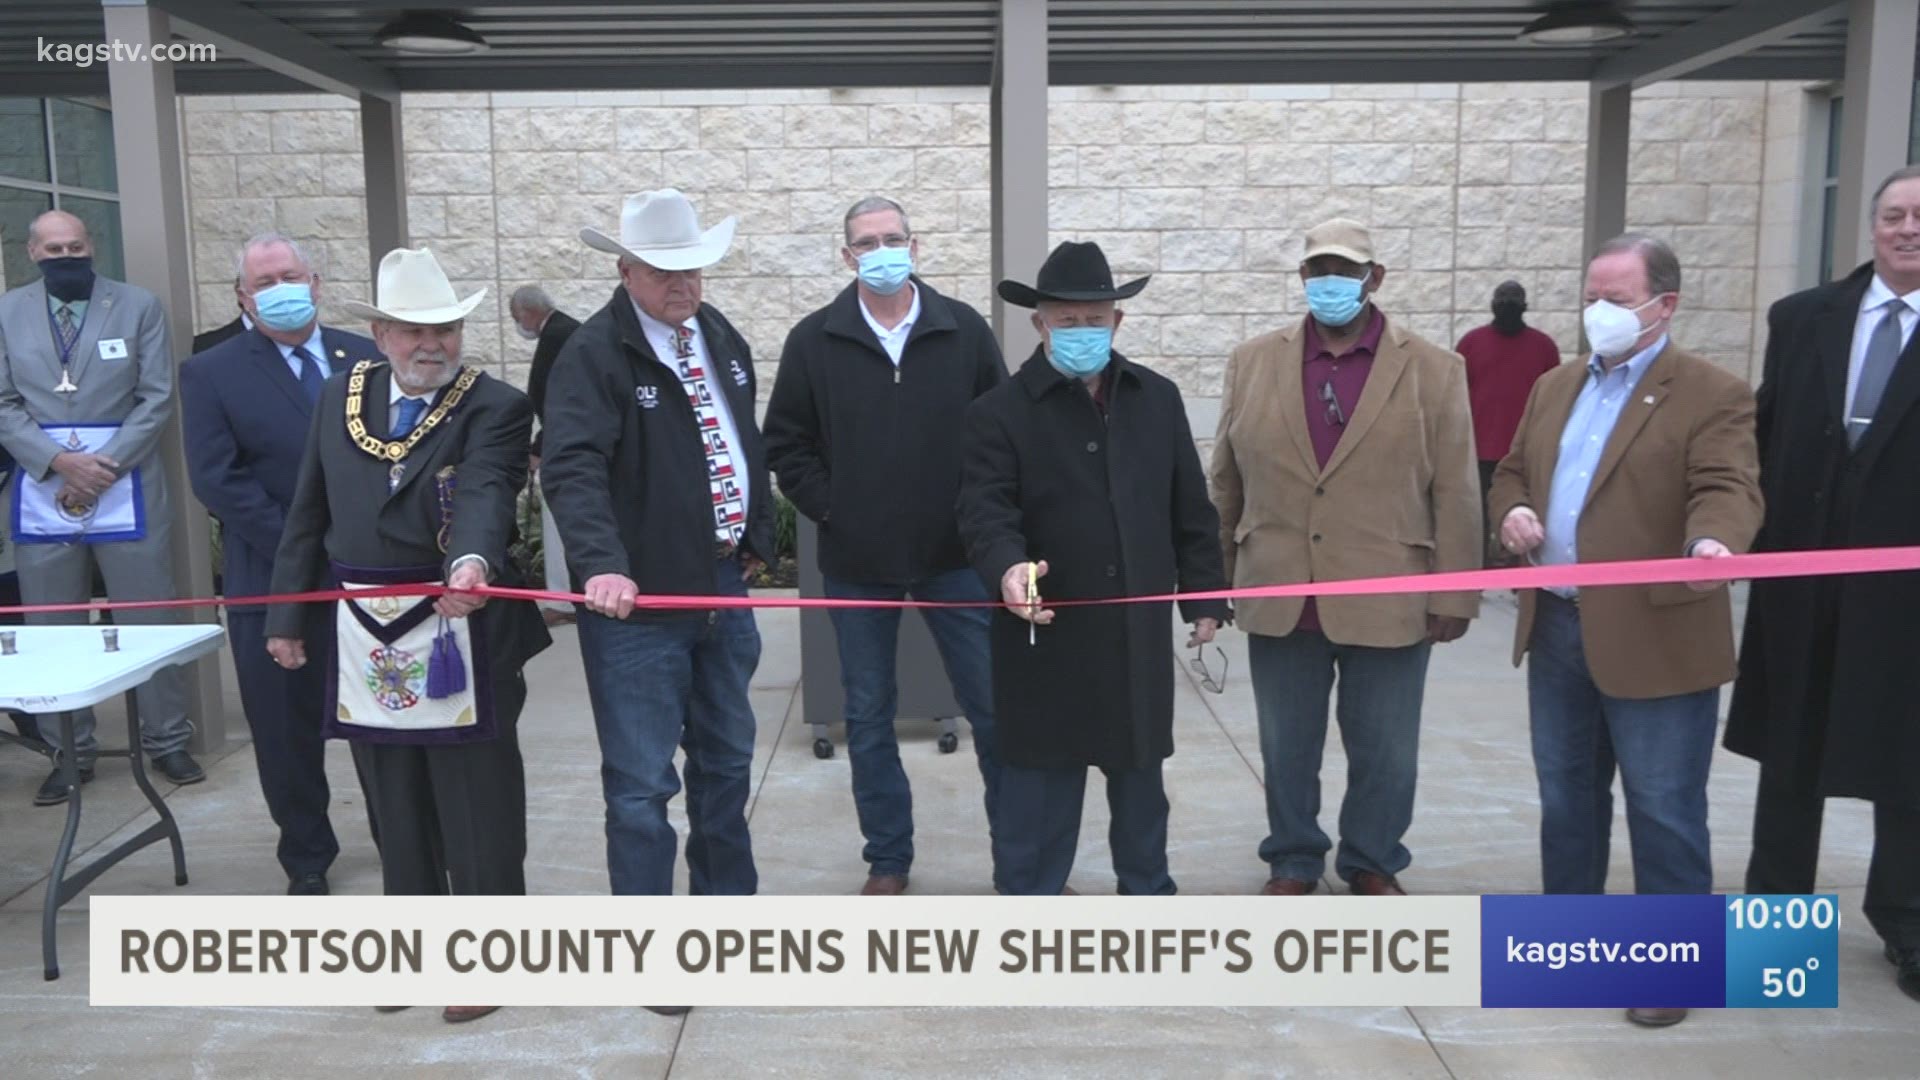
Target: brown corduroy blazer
(1399,495)
(1680,466)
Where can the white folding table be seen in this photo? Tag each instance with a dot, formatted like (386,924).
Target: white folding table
(58,669)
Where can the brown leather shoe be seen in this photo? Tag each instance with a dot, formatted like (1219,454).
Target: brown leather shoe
(668,1010)
(460,1014)
(1286,886)
(1656,1018)
(1368,883)
(884,885)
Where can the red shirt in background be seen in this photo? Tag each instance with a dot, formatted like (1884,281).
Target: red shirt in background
(1500,374)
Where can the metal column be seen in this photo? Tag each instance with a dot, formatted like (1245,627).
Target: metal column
(153,228)
(1019,138)
(386,168)
(1875,120)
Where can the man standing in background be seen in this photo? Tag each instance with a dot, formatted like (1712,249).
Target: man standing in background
(537,320)
(1504,357)
(864,431)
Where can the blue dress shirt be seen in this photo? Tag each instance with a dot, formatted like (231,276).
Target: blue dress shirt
(1595,412)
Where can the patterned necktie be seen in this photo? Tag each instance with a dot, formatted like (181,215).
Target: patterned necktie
(723,480)
(407,415)
(1883,351)
(310,378)
(69,332)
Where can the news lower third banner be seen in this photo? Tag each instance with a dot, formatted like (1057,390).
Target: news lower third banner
(1496,951)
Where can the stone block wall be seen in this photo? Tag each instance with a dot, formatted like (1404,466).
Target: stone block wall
(1208,188)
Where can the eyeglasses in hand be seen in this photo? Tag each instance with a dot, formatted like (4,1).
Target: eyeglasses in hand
(1198,665)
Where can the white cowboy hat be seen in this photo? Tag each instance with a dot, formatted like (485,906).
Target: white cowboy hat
(413,289)
(661,229)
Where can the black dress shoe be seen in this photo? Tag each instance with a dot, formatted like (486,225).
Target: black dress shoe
(308,885)
(669,1010)
(1907,977)
(54,791)
(180,768)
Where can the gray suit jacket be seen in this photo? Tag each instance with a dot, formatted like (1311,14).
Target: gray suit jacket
(135,392)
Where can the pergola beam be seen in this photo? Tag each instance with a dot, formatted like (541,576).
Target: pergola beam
(241,32)
(1724,35)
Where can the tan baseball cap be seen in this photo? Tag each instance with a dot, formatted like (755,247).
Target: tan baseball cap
(1343,237)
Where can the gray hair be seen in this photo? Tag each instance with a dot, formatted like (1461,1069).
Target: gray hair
(266,239)
(1908,172)
(530,298)
(1663,266)
(873,204)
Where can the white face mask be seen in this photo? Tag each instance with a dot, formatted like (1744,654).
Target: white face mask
(1612,329)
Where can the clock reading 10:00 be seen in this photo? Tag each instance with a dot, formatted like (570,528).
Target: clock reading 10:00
(1799,912)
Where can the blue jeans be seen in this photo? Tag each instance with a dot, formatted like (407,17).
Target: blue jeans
(1036,858)
(1663,747)
(661,684)
(868,639)
(1380,695)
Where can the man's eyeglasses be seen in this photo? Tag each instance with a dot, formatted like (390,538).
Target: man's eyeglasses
(872,243)
(1201,670)
(1334,415)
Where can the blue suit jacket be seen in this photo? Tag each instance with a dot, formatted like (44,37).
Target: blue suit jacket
(244,420)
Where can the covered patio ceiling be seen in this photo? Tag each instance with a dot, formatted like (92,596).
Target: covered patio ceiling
(279,46)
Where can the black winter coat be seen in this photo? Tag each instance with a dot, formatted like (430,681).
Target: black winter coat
(1117,506)
(625,471)
(1852,729)
(870,452)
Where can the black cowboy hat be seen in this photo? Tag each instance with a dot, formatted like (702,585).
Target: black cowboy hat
(1075,271)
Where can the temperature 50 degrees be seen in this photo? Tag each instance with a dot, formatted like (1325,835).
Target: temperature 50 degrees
(1791,982)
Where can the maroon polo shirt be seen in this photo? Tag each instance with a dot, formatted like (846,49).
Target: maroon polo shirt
(1347,373)
(1501,369)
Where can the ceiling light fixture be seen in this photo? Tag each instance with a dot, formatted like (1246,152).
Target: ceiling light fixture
(1578,24)
(427,34)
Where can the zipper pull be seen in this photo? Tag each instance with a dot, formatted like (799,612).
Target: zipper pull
(896,376)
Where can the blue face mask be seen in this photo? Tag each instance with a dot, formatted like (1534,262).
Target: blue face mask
(286,306)
(1334,299)
(885,269)
(1080,351)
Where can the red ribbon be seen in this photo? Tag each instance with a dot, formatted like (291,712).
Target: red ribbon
(1779,564)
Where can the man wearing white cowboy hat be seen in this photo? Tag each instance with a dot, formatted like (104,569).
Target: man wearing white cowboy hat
(655,474)
(410,476)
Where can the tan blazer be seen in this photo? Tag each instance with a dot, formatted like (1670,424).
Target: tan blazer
(1399,495)
(1680,466)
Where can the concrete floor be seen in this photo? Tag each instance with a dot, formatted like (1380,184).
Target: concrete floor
(1474,831)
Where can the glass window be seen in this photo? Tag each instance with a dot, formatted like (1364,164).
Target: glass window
(32,181)
(103,224)
(18,208)
(83,145)
(23,139)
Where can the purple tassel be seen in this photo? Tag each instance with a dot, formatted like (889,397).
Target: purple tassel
(446,668)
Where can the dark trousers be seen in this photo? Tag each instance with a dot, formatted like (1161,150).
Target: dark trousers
(1033,855)
(1786,851)
(452,819)
(869,640)
(1492,554)
(284,713)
